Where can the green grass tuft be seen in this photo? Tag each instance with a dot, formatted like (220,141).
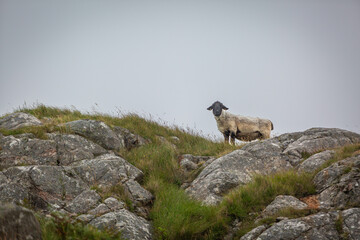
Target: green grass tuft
(60,227)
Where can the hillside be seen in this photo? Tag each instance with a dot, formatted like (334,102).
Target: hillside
(101,177)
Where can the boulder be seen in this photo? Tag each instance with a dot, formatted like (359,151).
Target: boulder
(315,161)
(114,204)
(72,148)
(42,185)
(190,162)
(263,157)
(19,120)
(106,170)
(27,151)
(83,202)
(351,222)
(319,139)
(237,167)
(98,132)
(101,209)
(323,225)
(131,140)
(282,202)
(338,184)
(18,223)
(130,225)
(138,193)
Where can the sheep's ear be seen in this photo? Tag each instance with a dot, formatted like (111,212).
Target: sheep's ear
(225,108)
(210,108)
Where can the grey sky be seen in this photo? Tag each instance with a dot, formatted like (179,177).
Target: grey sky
(296,63)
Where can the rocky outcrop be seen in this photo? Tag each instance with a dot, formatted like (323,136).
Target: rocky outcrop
(64,171)
(190,162)
(339,184)
(19,120)
(283,202)
(315,161)
(97,132)
(18,223)
(265,157)
(130,225)
(323,225)
(131,140)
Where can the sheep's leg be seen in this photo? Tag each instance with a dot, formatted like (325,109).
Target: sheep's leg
(226,136)
(232,139)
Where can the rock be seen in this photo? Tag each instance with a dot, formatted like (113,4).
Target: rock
(13,192)
(114,204)
(100,210)
(83,202)
(130,225)
(282,202)
(338,184)
(86,218)
(254,233)
(72,148)
(138,193)
(190,162)
(351,222)
(316,161)
(18,223)
(43,185)
(26,151)
(98,132)
(19,120)
(56,183)
(237,168)
(323,225)
(106,170)
(131,140)
(188,165)
(263,157)
(318,139)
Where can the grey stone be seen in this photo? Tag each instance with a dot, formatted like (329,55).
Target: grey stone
(130,139)
(138,193)
(339,184)
(130,225)
(26,151)
(351,223)
(318,139)
(56,183)
(100,210)
(114,204)
(188,165)
(287,229)
(18,223)
(19,120)
(83,202)
(282,202)
(235,168)
(315,161)
(263,157)
(86,218)
(72,148)
(106,170)
(98,132)
(253,234)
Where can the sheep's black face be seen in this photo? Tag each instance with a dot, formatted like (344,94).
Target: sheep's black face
(217,108)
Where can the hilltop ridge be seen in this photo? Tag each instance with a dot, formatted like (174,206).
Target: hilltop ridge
(133,176)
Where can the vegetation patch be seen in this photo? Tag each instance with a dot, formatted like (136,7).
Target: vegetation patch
(59,227)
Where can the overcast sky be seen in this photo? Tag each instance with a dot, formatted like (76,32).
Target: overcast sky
(296,63)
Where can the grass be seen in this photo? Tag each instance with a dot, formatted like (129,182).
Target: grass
(256,195)
(61,227)
(174,215)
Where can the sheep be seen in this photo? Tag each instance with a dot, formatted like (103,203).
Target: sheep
(239,127)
